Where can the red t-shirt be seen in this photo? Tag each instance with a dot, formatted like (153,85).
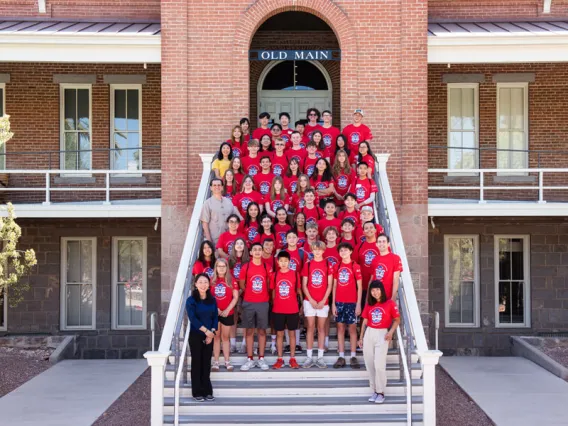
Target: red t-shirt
(384,268)
(307,247)
(366,254)
(355,135)
(360,235)
(287,286)
(380,315)
(257,282)
(280,236)
(279,164)
(270,262)
(229,191)
(250,232)
(291,183)
(342,183)
(346,275)
(298,154)
(353,243)
(260,132)
(324,223)
(242,200)
(313,214)
(363,188)
(321,185)
(309,129)
(236,270)
(332,255)
(239,179)
(309,164)
(224,294)
(298,201)
(239,149)
(329,138)
(251,166)
(296,262)
(354,157)
(263,182)
(317,273)
(301,238)
(277,203)
(286,134)
(226,241)
(202,268)
(263,237)
(354,215)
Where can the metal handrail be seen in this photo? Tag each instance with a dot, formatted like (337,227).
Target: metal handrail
(407,378)
(179,373)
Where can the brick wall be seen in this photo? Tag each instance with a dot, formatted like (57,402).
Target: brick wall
(33,102)
(548,125)
(548,280)
(79,9)
(40,310)
(494,9)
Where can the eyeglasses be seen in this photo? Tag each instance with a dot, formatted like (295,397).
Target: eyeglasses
(279,144)
(233,221)
(312,115)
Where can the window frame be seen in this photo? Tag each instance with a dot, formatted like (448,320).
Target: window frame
(62,87)
(114,87)
(63,291)
(114,284)
(525,87)
(476,283)
(526,271)
(475,87)
(3,103)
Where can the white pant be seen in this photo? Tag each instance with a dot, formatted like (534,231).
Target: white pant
(375,349)
(309,310)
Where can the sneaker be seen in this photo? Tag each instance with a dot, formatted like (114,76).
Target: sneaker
(273,350)
(243,349)
(287,349)
(209,398)
(278,364)
(198,399)
(303,333)
(359,349)
(354,363)
(373,397)
(308,363)
(215,366)
(380,398)
(340,363)
(248,365)
(229,366)
(320,363)
(294,363)
(261,363)
(298,349)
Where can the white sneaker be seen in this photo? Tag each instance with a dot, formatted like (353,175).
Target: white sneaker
(380,398)
(248,365)
(373,397)
(308,363)
(243,349)
(261,363)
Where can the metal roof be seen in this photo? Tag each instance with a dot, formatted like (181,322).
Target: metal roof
(49,27)
(532,28)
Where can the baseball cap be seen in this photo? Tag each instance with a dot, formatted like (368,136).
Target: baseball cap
(366,209)
(359,111)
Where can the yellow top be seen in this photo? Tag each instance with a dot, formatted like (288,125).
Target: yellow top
(221,165)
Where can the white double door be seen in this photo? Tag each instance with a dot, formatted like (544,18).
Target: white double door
(295,103)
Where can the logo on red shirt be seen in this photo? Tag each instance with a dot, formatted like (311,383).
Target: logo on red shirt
(237,270)
(332,261)
(355,137)
(360,193)
(284,289)
(236,152)
(230,246)
(302,203)
(342,182)
(220,291)
(264,188)
(293,264)
(244,203)
(321,185)
(277,204)
(209,272)
(277,169)
(380,271)
(343,276)
(376,315)
(369,256)
(257,284)
(253,170)
(317,279)
(310,170)
(294,186)
(252,234)
(327,140)
(282,236)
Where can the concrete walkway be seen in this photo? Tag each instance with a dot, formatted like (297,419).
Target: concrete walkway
(511,390)
(73,392)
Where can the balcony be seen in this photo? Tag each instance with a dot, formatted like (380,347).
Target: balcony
(497,182)
(38,187)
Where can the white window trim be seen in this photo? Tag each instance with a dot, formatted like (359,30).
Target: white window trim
(114,296)
(525,87)
(114,87)
(527,289)
(5,319)
(62,88)
(475,87)
(63,317)
(476,312)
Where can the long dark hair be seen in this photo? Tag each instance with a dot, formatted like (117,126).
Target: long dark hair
(327,175)
(345,147)
(248,219)
(371,301)
(289,171)
(195,293)
(201,255)
(321,143)
(220,153)
(261,147)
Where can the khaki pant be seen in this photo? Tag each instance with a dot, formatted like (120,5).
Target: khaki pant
(375,349)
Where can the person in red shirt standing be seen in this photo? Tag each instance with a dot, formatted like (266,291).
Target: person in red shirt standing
(311,159)
(346,307)
(238,145)
(293,172)
(312,212)
(312,115)
(342,173)
(286,290)
(300,126)
(277,198)
(300,228)
(205,260)
(263,119)
(247,195)
(263,180)
(245,127)
(251,163)
(266,229)
(237,168)
(255,282)
(230,185)
(317,276)
(380,320)
(276,131)
(347,236)
(364,188)
(312,234)
(357,132)
(281,227)
(322,180)
(350,213)
(249,227)
(297,254)
(330,219)
(387,267)
(279,160)
(329,134)
(268,251)
(331,254)
(284,118)
(227,238)
(367,252)
(226,293)
(296,151)
(365,155)
(366,215)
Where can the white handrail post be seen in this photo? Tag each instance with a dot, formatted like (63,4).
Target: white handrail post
(429,360)
(541,187)
(47,201)
(157,362)
(382,159)
(481,187)
(107,187)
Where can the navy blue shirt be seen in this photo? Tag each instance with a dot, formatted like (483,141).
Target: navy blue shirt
(201,313)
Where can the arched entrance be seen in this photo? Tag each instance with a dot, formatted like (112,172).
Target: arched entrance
(294,87)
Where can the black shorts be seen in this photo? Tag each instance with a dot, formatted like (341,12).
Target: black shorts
(227,321)
(286,321)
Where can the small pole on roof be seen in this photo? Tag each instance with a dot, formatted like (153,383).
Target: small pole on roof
(41,6)
(546,6)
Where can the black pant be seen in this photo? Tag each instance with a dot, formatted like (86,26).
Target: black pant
(200,365)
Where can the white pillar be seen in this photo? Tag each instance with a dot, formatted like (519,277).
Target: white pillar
(157,362)
(382,159)
(429,360)
(207,160)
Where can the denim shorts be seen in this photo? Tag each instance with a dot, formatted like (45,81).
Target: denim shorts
(346,313)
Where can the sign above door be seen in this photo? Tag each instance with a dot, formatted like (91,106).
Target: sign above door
(294,55)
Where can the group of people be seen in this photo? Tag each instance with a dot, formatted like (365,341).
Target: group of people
(292,243)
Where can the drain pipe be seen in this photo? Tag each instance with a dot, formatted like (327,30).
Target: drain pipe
(436,327)
(153,319)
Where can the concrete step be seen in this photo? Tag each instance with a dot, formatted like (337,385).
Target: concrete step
(297,419)
(285,405)
(306,388)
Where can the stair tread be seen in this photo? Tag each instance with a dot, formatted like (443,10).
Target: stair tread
(350,418)
(287,369)
(308,383)
(294,400)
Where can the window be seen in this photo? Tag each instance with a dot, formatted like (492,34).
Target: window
(129,282)
(78,286)
(2,112)
(512,281)
(512,125)
(295,75)
(76,127)
(461,272)
(463,126)
(126,127)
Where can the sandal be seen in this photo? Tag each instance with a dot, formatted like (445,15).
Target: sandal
(215,366)
(229,366)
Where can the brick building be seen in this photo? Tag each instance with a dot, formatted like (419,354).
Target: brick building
(112,103)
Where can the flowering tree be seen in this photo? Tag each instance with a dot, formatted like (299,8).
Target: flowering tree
(5,133)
